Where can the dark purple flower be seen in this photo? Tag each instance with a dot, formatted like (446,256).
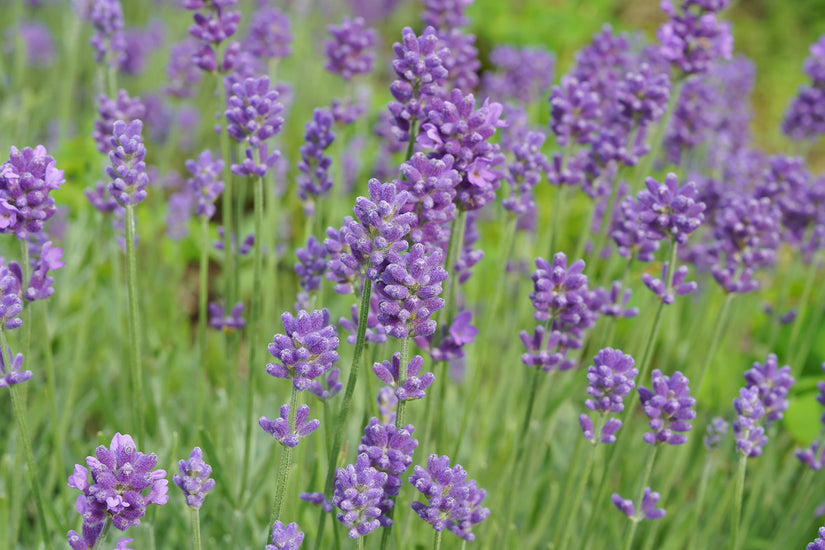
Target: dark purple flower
(628,233)
(26,180)
(610,379)
(691,40)
(390,450)
(121,477)
(359,492)
(123,108)
(669,407)
(349,52)
(558,290)
(452,344)
(668,290)
(254,115)
(409,290)
(420,71)
(717,428)
(819,542)
(285,537)
(647,509)
(314,181)
(12,374)
(445,14)
(431,184)
(643,96)
(270,34)
(773,384)
(206,184)
(522,75)
(108,39)
(194,478)
(285,434)
(750,435)
(307,350)
(227,323)
(669,211)
(329,388)
(312,264)
(575,111)
(453,502)
(40,283)
(546,355)
(128,169)
(412,386)
(805,117)
(11,302)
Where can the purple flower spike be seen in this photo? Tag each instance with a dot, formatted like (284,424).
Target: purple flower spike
(123,108)
(420,69)
(307,350)
(40,284)
(409,291)
(11,304)
(26,180)
(254,115)
(121,477)
(669,211)
(329,388)
(375,333)
(280,429)
(312,264)
(461,333)
(559,291)
(629,235)
(205,182)
(128,170)
(108,40)
(819,542)
(717,429)
(12,374)
(614,303)
(647,510)
(773,384)
(314,179)
(643,96)
(453,502)
(227,323)
(750,435)
(445,14)
(431,184)
(285,537)
(390,450)
(194,478)
(547,355)
(574,111)
(410,388)
(318,500)
(677,287)
(523,75)
(692,40)
(349,52)
(610,379)
(270,34)
(359,491)
(669,407)
(814,457)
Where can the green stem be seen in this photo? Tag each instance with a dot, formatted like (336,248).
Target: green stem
(411,143)
(740,490)
(26,315)
(700,503)
(571,513)
(645,168)
(202,312)
(196,528)
(645,478)
(402,378)
(437,540)
(718,330)
(226,201)
(104,533)
(644,366)
(254,325)
(283,469)
(346,403)
(803,310)
(134,321)
(360,543)
(20,417)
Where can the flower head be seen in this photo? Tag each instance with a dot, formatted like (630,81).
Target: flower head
(26,180)
(349,52)
(773,384)
(669,407)
(128,169)
(287,435)
(647,507)
(669,211)
(307,350)
(254,115)
(194,478)
(285,537)
(205,183)
(413,386)
(10,369)
(750,435)
(359,492)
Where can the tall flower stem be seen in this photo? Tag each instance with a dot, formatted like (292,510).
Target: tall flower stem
(700,502)
(437,540)
(104,533)
(644,366)
(134,321)
(254,325)
(286,457)
(229,267)
(631,533)
(644,169)
(346,403)
(571,512)
(803,310)
(411,142)
(737,503)
(196,528)
(360,543)
(202,313)
(26,316)
(717,332)
(20,418)
(402,377)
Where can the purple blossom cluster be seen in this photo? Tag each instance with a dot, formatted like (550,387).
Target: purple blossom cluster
(669,408)
(610,379)
(349,51)
(128,169)
(773,384)
(453,502)
(108,39)
(359,494)
(212,29)
(269,35)
(194,478)
(647,507)
(410,388)
(521,75)
(693,36)
(748,429)
(227,323)
(286,434)
(285,537)
(205,183)
(307,350)
(254,116)
(805,117)
(123,484)
(312,264)
(26,181)
(314,181)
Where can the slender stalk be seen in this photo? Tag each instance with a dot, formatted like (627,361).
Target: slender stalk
(226,202)
(134,321)
(737,511)
(571,513)
(645,478)
(104,533)
(202,313)
(346,403)
(700,503)
(283,469)
(20,418)
(803,310)
(402,377)
(254,325)
(644,366)
(26,315)
(718,330)
(360,543)
(51,390)
(411,143)
(437,540)
(196,529)
(645,168)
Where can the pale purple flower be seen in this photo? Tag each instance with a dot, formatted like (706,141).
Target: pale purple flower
(285,537)
(647,509)
(750,435)
(773,384)
(26,180)
(668,290)
(287,435)
(669,407)
(359,491)
(10,369)
(194,478)
(349,52)
(307,350)
(412,386)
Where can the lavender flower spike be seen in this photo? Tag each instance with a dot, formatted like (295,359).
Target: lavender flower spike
(349,51)
(669,211)
(452,502)
(11,305)
(280,429)
(194,478)
(773,384)
(750,435)
(254,115)
(411,388)
(26,180)
(307,350)
(11,375)
(128,170)
(358,494)
(40,283)
(285,537)
(678,286)
(819,542)
(121,476)
(610,379)
(647,509)
(205,182)
(227,323)
(669,407)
